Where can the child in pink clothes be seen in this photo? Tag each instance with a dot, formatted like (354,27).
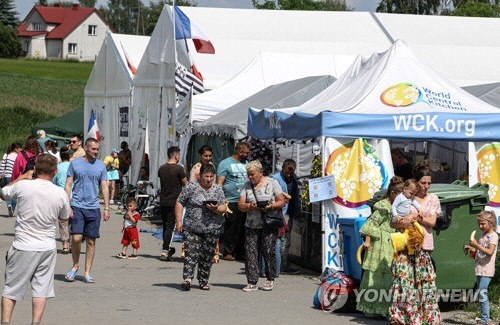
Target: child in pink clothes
(485,252)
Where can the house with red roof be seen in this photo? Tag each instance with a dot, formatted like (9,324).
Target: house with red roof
(63,33)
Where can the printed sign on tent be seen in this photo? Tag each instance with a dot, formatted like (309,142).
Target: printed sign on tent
(322,188)
(124,121)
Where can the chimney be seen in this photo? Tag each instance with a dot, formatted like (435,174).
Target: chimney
(76,6)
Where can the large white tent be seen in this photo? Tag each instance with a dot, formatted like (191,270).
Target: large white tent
(109,88)
(463,49)
(264,70)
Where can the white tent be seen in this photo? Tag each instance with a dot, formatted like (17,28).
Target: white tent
(109,88)
(445,42)
(154,96)
(264,70)
(391,95)
(489,93)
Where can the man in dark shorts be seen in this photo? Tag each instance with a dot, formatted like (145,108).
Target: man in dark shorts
(82,187)
(172,179)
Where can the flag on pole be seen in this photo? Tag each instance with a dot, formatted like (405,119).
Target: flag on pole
(93,130)
(185,28)
(130,64)
(185,79)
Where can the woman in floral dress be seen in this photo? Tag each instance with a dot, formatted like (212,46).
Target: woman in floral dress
(414,286)
(379,253)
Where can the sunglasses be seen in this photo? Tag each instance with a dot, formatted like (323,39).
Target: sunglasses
(73,141)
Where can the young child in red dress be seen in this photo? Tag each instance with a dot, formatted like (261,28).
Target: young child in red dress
(129,229)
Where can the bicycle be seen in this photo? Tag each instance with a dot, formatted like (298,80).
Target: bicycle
(148,204)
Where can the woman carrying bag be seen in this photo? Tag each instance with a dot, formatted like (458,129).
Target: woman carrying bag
(262,199)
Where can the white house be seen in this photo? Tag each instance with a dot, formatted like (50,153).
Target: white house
(64,33)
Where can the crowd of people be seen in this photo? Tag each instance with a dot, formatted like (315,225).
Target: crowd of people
(230,204)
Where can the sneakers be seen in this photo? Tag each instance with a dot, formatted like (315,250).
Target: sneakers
(132,257)
(167,256)
(250,287)
(268,286)
(11,211)
(111,201)
(121,255)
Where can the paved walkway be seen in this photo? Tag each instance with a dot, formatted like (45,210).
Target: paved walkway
(147,291)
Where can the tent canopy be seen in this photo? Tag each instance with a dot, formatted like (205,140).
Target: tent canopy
(65,125)
(489,93)
(390,95)
(232,122)
(264,70)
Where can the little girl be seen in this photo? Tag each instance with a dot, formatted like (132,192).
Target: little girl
(129,229)
(485,251)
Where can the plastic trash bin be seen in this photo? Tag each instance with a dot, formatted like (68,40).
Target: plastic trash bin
(351,240)
(459,207)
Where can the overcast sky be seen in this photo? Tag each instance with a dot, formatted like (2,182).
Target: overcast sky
(24,6)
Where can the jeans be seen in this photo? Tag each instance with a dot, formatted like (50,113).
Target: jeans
(168,219)
(13,202)
(482,286)
(280,244)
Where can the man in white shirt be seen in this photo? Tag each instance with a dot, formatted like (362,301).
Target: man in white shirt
(32,256)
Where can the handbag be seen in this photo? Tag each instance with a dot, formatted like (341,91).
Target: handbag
(272,219)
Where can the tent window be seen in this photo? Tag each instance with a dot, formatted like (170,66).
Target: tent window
(72,48)
(92,30)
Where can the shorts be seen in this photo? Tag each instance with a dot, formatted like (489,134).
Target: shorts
(113,175)
(24,267)
(131,236)
(86,222)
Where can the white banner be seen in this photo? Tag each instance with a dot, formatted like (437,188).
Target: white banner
(361,168)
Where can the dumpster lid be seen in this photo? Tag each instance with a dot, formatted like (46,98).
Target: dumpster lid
(452,192)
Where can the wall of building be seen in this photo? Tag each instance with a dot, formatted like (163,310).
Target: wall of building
(88,46)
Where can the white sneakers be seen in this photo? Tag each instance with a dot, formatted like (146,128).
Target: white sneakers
(268,286)
(250,287)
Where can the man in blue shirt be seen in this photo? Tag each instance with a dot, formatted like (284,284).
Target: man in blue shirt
(82,186)
(232,175)
(289,184)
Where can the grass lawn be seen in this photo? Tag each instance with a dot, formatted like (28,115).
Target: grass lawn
(34,91)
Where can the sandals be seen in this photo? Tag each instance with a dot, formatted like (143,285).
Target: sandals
(65,251)
(88,279)
(204,286)
(186,285)
(71,274)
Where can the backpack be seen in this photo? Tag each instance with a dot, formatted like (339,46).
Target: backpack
(30,162)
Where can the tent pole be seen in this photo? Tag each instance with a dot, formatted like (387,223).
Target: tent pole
(297,162)
(322,208)
(274,157)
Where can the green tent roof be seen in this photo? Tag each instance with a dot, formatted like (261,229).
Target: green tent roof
(64,126)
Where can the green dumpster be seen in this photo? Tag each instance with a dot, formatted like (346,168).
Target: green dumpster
(459,206)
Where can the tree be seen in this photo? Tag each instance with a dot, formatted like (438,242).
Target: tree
(8,15)
(10,45)
(44,3)
(415,7)
(477,9)
(88,3)
(322,5)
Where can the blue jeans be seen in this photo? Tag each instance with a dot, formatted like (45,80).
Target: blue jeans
(482,286)
(279,245)
(13,202)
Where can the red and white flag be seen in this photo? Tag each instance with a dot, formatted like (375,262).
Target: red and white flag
(130,64)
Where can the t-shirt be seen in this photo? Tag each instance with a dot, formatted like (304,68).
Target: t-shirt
(267,192)
(198,218)
(86,179)
(170,176)
(7,164)
(129,224)
(485,264)
(125,157)
(109,161)
(62,174)
(39,204)
(401,206)
(236,176)
(20,163)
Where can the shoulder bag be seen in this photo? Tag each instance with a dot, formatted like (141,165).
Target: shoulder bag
(272,219)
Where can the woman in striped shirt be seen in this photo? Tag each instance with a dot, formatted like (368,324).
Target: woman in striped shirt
(8,160)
